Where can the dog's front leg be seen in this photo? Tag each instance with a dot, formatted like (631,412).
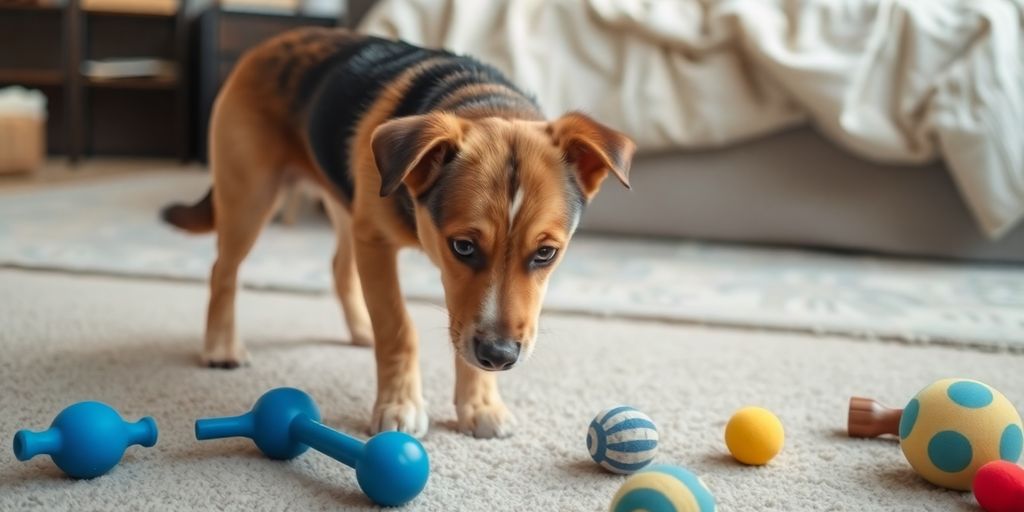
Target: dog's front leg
(480,409)
(399,403)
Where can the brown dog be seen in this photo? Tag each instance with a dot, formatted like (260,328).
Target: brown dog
(412,147)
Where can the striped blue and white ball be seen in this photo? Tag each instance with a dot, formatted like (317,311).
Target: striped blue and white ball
(663,488)
(622,439)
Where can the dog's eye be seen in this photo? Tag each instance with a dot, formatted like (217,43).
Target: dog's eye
(463,248)
(544,255)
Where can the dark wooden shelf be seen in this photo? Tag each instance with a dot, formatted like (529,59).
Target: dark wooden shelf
(34,77)
(32,7)
(152,83)
(129,14)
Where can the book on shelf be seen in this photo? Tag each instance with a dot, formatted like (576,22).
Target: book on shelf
(325,8)
(167,7)
(260,5)
(129,68)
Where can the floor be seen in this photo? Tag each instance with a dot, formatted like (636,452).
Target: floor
(60,170)
(112,226)
(133,344)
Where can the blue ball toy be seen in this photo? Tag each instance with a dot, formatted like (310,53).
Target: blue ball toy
(622,439)
(86,439)
(391,468)
(663,488)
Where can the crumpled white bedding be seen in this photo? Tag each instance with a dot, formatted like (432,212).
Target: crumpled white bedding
(892,81)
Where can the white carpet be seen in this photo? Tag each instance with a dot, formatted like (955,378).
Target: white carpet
(111,226)
(134,343)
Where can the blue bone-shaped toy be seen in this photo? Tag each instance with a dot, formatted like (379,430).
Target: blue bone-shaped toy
(391,468)
(86,439)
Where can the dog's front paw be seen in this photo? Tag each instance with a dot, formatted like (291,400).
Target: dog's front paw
(409,416)
(226,357)
(485,420)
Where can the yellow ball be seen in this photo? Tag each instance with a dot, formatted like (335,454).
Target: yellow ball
(754,436)
(955,426)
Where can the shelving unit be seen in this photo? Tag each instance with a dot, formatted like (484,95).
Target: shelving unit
(138,116)
(34,55)
(145,116)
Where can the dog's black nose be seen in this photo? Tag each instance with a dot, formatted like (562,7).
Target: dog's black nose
(497,354)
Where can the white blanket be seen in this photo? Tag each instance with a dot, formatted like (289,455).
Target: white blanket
(892,81)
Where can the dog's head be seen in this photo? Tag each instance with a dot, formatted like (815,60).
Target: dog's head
(496,203)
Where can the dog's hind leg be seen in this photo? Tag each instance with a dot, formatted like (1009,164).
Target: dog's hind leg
(247,160)
(346,277)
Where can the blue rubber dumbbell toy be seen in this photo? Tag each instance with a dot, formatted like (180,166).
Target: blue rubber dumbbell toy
(391,468)
(86,439)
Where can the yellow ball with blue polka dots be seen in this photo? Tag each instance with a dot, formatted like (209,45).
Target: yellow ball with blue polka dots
(663,488)
(954,426)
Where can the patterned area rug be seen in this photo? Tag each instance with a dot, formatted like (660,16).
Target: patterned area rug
(111,226)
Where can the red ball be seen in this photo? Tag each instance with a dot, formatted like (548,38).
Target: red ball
(999,487)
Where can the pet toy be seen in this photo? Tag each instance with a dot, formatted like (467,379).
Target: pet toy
(391,468)
(622,439)
(663,488)
(754,436)
(999,487)
(948,431)
(86,439)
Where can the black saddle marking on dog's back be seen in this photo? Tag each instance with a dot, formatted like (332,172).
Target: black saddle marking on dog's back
(336,94)
(345,87)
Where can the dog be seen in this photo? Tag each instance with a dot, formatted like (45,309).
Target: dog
(412,147)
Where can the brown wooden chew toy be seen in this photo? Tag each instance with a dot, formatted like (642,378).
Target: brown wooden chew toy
(868,418)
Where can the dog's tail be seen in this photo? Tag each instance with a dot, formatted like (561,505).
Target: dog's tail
(195,218)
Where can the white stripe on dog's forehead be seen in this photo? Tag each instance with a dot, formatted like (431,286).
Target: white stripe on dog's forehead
(514,207)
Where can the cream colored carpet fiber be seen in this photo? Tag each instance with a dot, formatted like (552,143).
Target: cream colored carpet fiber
(133,344)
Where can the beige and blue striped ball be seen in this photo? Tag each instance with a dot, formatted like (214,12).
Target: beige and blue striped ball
(663,488)
(622,439)
(953,427)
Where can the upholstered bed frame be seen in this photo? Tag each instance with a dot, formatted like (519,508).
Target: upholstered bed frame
(798,188)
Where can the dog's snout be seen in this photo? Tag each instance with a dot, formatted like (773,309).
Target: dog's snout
(496,354)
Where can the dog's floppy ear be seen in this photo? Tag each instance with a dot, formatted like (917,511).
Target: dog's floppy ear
(413,149)
(593,149)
